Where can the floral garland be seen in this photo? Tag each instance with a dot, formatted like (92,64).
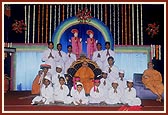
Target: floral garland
(84,15)
(19,26)
(152,29)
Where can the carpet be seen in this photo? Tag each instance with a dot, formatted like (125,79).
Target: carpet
(21,101)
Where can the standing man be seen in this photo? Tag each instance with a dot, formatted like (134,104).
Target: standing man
(70,58)
(97,55)
(49,57)
(107,53)
(60,57)
(76,43)
(112,70)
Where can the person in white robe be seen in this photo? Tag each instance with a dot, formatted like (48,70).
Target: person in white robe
(61,92)
(107,53)
(79,97)
(112,70)
(129,96)
(74,88)
(70,58)
(97,55)
(45,71)
(60,57)
(114,94)
(57,75)
(122,82)
(104,83)
(96,93)
(49,57)
(46,93)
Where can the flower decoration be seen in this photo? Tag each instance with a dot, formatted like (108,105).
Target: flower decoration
(84,15)
(152,29)
(19,26)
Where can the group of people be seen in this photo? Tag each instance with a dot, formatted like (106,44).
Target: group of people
(97,90)
(54,85)
(59,57)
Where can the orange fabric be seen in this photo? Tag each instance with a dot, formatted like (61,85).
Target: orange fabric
(85,74)
(36,86)
(154,81)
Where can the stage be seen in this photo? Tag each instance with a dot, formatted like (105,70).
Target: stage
(21,101)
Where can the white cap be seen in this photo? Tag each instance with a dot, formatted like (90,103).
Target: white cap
(47,77)
(130,80)
(104,71)
(79,83)
(115,81)
(59,66)
(99,76)
(121,71)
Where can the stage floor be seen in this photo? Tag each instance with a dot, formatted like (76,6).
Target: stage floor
(21,101)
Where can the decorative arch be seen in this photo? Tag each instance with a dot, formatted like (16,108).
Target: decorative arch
(62,34)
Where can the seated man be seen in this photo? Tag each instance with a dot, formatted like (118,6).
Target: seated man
(79,97)
(38,81)
(46,92)
(129,95)
(86,76)
(152,79)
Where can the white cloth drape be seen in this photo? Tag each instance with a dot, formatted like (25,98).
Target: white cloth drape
(27,67)
(131,63)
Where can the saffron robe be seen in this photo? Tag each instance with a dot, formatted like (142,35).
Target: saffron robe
(153,81)
(86,75)
(36,85)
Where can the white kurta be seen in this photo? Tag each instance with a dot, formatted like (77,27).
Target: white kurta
(104,57)
(113,98)
(73,90)
(55,79)
(60,95)
(46,95)
(105,87)
(61,60)
(98,59)
(79,96)
(42,77)
(96,97)
(122,84)
(130,97)
(69,61)
(113,75)
(50,61)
